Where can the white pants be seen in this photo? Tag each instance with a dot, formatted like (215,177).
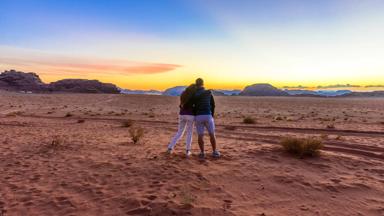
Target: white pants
(185,123)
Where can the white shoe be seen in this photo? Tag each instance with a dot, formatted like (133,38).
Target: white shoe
(188,153)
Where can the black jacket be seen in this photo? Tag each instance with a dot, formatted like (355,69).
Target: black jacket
(204,102)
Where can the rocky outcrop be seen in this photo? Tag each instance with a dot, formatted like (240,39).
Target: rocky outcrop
(19,81)
(262,90)
(83,86)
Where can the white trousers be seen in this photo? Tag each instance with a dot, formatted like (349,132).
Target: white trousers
(185,124)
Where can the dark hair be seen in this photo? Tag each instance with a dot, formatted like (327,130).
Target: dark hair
(199,82)
(187,94)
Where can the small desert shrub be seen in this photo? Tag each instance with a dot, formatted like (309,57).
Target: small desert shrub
(338,137)
(278,118)
(14,114)
(136,134)
(302,147)
(80,121)
(127,123)
(56,142)
(230,127)
(324,136)
(68,115)
(151,115)
(249,120)
(330,126)
(187,198)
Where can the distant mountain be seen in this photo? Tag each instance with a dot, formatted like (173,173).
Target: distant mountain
(324,93)
(262,89)
(367,94)
(141,92)
(19,81)
(174,91)
(229,92)
(218,93)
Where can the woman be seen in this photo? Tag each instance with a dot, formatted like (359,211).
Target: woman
(186,119)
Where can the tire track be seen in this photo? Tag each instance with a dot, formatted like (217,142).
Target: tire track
(353,149)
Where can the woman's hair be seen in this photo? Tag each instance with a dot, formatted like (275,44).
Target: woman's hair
(187,94)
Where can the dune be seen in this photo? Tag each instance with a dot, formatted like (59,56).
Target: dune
(72,154)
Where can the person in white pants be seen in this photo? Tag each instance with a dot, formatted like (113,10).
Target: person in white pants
(186,120)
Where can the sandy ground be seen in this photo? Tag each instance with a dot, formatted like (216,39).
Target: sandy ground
(93,167)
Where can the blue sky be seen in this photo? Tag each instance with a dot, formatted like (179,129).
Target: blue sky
(231,43)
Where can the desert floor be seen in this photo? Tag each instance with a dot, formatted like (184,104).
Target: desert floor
(53,164)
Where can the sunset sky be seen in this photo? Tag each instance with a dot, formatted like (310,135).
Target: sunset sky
(145,44)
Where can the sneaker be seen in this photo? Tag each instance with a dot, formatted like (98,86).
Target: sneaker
(188,153)
(202,155)
(169,151)
(216,154)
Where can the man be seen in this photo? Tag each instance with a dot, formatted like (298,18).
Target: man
(204,111)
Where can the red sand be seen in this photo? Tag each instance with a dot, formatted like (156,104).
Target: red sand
(95,169)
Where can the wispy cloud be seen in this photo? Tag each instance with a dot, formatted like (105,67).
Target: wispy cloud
(339,86)
(374,86)
(63,64)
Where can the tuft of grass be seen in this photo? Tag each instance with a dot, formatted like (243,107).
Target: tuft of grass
(338,137)
(187,198)
(56,142)
(302,147)
(14,114)
(136,134)
(249,120)
(230,127)
(68,114)
(324,136)
(127,123)
(279,118)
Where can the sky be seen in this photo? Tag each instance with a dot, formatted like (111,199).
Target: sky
(150,44)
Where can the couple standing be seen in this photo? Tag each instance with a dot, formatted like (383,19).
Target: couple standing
(197,106)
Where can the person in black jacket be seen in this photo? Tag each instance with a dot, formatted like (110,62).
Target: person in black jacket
(204,108)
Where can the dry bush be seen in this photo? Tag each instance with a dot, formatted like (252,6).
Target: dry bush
(187,198)
(127,123)
(330,126)
(324,136)
(53,146)
(230,127)
(278,118)
(80,121)
(249,120)
(14,114)
(302,146)
(136,134)
(339,137)
(68,114)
